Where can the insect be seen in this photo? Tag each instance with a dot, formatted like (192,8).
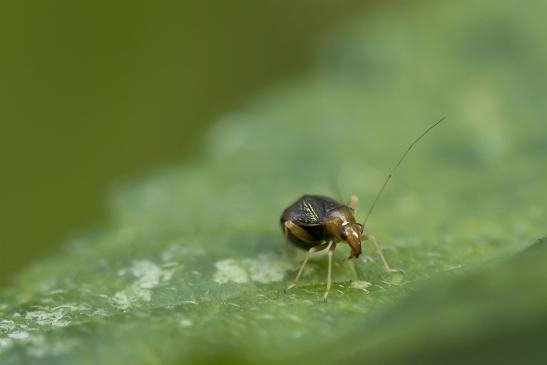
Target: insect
(316,223)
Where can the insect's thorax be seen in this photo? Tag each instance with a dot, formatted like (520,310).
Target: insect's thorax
(337,218)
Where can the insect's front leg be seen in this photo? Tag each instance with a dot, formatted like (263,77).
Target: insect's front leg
(379,251)
(317,248)
(331,247)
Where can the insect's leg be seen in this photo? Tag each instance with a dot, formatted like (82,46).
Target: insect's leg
(379,250)
(353,202)
(332,247)
(297,231)
(318,248)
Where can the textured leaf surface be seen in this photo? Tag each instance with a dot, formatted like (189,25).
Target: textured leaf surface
(192,263)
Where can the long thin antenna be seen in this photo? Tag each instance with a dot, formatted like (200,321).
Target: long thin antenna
(396,166)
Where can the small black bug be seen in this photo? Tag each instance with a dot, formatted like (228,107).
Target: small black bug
(316,223)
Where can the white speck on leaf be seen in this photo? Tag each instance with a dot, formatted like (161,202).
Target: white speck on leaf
(18,335)
(121,300)
(360,284)
(56,291)
(190,302)
(185,322)
(5,343)
(99,313)
(50,317)
(266,268)
(147,275)
(6,325)
(230,270)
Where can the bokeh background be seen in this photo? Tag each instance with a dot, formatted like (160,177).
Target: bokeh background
(212,118)
(94,93)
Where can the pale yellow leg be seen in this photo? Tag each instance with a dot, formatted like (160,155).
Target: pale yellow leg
(310,251)
(379,250)
(329,275)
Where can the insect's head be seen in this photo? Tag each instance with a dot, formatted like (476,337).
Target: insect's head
(352,233)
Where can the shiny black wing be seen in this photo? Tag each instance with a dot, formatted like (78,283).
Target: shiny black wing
(310,210)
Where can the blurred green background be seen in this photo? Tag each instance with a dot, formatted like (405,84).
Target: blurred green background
(94,92)
(189,260)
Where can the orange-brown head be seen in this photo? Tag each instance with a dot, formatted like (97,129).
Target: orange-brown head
(343,227)
(352,233)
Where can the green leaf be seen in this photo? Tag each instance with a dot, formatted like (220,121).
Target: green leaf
(495,314)
(192,264)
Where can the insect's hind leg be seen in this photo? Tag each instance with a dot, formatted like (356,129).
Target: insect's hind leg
(317,248)
(379,251)
(296,231)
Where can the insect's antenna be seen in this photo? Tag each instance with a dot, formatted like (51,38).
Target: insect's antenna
(395,168)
